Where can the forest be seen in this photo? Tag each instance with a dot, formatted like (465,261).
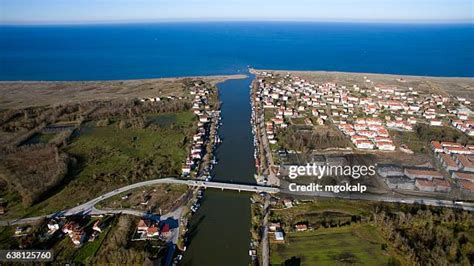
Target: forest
(33,170)
(428,236)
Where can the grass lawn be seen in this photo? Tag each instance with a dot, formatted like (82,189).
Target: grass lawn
(357,244)
(109,157)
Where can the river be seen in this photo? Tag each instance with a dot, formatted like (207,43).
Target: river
(220,230)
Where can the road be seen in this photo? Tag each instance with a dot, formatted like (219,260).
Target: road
(88,207)
(468,206)
(273,180)
(265,245)
(238,187)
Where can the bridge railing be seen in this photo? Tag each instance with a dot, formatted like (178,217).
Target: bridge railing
(238,187)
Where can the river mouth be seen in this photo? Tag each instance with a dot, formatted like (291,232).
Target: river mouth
(219,233)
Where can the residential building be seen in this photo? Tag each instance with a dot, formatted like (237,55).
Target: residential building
(464,176)
(165,230)
(466,186)
(448,162)
(441,185)
(425,185)
(279,236)
(301,227)
(422,173)
(466,162)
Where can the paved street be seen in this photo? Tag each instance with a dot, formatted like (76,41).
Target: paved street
(383,197)
(265,244)
(88,207)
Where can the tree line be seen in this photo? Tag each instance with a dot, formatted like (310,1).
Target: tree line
(429,236)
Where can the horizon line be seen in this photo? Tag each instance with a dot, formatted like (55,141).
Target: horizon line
(194,20)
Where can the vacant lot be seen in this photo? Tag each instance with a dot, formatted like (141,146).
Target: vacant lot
(160,198)
(324,209)
(410,139)
(299,138)
(358,244)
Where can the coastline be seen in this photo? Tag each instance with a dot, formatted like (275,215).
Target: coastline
(349,73)
(453,86)
(328,72)
(21,94)
(218,79)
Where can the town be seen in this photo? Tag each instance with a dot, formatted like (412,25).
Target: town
(294,121)
(201,159)
(369,118)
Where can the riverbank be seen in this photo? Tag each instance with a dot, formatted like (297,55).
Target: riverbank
(199,124)
(221,226)
(201,158)
(264,162)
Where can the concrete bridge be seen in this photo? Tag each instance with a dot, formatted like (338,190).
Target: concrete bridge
(88,207)
(232,186)
(171,180)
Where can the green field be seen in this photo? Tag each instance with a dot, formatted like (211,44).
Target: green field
(357,244)
(314,211)
(109,156)
(111,149)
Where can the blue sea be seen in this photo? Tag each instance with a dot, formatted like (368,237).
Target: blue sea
(126,51)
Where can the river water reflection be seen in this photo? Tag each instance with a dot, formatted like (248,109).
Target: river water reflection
(220,231)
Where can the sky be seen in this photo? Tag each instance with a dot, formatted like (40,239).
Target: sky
(96,11)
